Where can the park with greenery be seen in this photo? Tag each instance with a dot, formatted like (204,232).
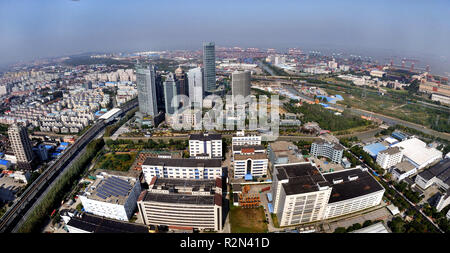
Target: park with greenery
(117,162)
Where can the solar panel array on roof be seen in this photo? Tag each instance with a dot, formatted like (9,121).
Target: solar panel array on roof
(113,186)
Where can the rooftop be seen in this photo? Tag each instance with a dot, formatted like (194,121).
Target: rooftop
(183,162)
(440,170)
(205,137)
(183,199)
(390,151)
(418,151)
(404,166)
(303,178)
(336,146)
(351,183)
(96,224)
(110,188)
(374,228)
(374,148)
(256,156)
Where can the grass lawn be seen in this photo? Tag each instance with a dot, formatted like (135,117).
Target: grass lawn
(119,162)
(248,220)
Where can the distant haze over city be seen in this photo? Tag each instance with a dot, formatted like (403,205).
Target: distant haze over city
(34,29)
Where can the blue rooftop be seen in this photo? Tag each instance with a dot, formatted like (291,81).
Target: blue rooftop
(248,177)
(399,136)
(374,149)
(4,162)
(64,144)
(270,207)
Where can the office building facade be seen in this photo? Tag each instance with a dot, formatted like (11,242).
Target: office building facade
(170,92)
(240,83)
(145,79)
(185,168)
(196,89)
(209,64)
(182,204)
(251,164)
(205,144)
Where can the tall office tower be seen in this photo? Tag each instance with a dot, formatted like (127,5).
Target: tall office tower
(240,83)
(182,82)
(21,145)
(145,79)
(209,64)
(160,103)
(195,80)
(170,92)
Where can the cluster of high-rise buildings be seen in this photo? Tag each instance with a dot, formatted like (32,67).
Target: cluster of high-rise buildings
(156,96)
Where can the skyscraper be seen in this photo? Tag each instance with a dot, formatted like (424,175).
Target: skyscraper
(170,92)
(145,79)
(159,93)
(182,82)
(21,145)
(209,64)
(240,83)
(195,79)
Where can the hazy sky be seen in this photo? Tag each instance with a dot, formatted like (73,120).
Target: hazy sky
(40,28)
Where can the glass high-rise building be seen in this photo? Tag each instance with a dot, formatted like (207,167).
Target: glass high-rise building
(145,79)
(170,92)
(240,83)
(196,92)
(209,64)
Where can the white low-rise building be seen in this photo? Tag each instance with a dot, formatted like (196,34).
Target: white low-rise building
(112,196)
(241,139)
(418,153)
(403,170)
(182,168)
(205,144)
(254,164)
(389,157)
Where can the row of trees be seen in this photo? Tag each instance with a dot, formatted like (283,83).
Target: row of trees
(127,145)
(61,188)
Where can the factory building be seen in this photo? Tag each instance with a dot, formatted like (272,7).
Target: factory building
(209,145)
(182,204)
(111,196)
(181,168)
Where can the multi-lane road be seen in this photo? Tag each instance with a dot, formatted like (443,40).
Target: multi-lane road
(32,195)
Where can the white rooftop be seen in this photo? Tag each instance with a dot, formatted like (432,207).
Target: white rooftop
(110,113)
(375,228)
(391,140)
(418,152)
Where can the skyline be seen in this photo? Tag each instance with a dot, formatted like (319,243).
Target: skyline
(69,27)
